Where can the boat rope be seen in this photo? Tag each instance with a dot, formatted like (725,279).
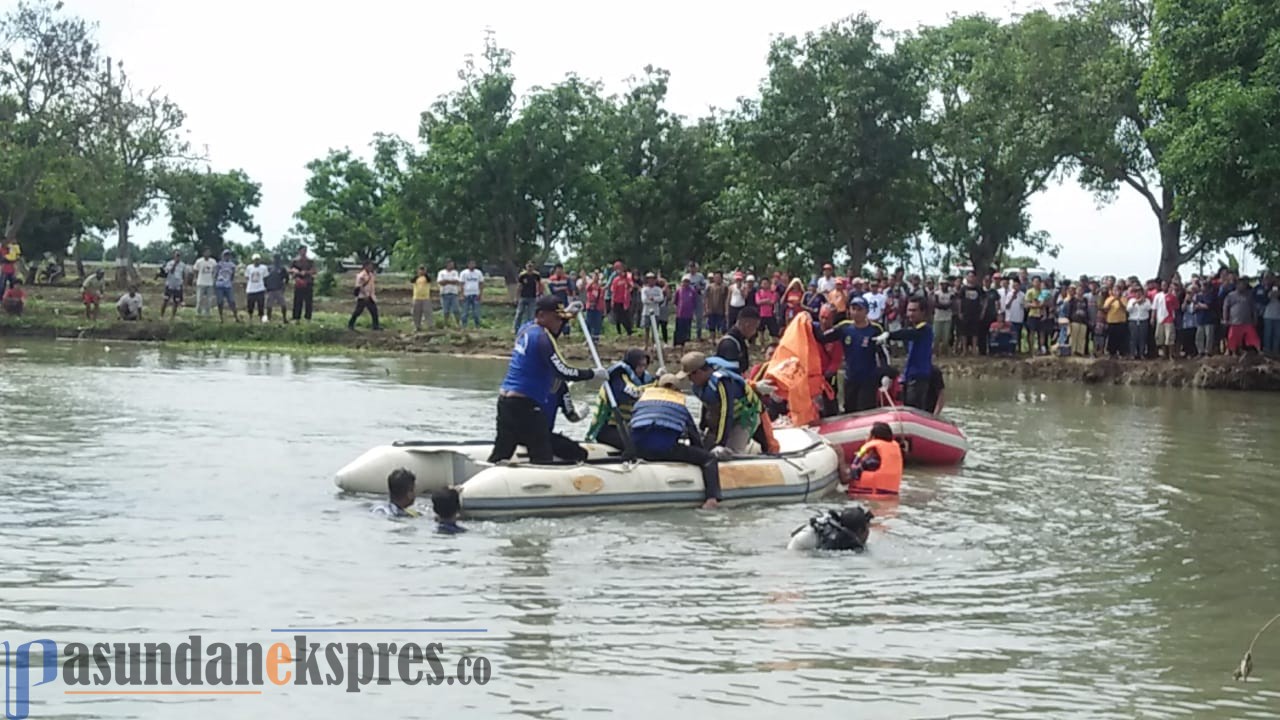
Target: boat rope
(1246,663)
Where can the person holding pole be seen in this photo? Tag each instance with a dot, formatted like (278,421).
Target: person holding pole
(528,387)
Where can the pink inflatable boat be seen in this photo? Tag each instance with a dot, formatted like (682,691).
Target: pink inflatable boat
(929,440)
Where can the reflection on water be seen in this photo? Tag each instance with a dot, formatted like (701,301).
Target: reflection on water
(1104,552)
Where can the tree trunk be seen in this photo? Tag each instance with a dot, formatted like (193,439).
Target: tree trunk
(983,253)
(125,272)
(1170,246)
(857,248)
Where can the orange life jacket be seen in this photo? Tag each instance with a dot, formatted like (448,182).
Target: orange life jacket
(888,477)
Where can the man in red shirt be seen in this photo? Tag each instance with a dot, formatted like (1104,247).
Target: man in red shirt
(14,299)
(620,291)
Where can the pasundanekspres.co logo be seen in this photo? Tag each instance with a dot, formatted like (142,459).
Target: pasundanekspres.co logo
(196,667)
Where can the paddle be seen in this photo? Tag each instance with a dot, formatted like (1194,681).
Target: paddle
(657,340)
(608,388)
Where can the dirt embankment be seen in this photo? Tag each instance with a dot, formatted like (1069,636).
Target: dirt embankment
(1251,372)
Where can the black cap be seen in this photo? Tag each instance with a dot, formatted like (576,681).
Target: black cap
(550,303)
(634,357)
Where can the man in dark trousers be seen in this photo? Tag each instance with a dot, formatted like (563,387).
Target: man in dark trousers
(303,271)
(917,377)
(530,384)
(863,356)
(660,421)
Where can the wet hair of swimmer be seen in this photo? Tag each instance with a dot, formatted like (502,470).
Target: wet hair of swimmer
(881,431)
(445,503)
(400,485)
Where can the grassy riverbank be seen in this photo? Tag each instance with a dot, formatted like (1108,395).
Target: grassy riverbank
(56,312)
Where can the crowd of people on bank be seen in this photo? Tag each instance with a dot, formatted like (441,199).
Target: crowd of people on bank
(1001,313)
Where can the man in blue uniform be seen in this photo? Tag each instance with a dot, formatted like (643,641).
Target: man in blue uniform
(916,378)
(530,385)
(863,356)
(658,424)
(730,408)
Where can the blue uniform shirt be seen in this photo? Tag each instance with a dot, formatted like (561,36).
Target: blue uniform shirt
(535,364)
(862,355)
(919,341)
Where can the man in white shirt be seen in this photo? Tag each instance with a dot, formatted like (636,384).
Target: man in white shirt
(827,282)
(450,284)
(130,305)
(472,285)
(175,277)
(255,288)
(876,299)
(204,269)
(1139,308)
(942,300)
(1012,308)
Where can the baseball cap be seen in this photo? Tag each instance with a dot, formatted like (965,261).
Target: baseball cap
(691,362)
(257,256)
(858,302)
(670,380)
(549,303)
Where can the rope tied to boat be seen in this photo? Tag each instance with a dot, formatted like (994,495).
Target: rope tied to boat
(1245,667)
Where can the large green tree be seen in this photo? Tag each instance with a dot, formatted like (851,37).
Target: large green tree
(47,62)
(995,130)
(203,205)
(832,140)
(1117,121)
(1216,71)
(135,141)
(666,177)
(563,141)
(464,194)
(353,205)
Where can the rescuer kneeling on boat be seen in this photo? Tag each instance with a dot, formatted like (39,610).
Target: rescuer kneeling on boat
(919,368)
(627,379)
(877,468)
(660,421)
(529,386)
(730,408)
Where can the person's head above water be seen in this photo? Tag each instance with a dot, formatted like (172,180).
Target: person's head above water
(881,431)
(445,503)
(858,522)
(400,487)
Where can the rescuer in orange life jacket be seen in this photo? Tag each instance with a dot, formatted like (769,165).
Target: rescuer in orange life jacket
(877,468)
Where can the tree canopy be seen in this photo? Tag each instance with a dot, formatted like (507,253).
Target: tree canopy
(860,147)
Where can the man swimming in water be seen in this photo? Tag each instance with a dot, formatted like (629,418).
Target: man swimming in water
(400,495)
(446,505)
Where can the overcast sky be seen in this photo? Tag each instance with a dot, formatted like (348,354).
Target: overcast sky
(269,85)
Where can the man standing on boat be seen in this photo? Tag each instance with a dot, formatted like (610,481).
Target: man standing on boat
(536,363)
(919,368)
(660,421)
(863,356)
(736,344)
